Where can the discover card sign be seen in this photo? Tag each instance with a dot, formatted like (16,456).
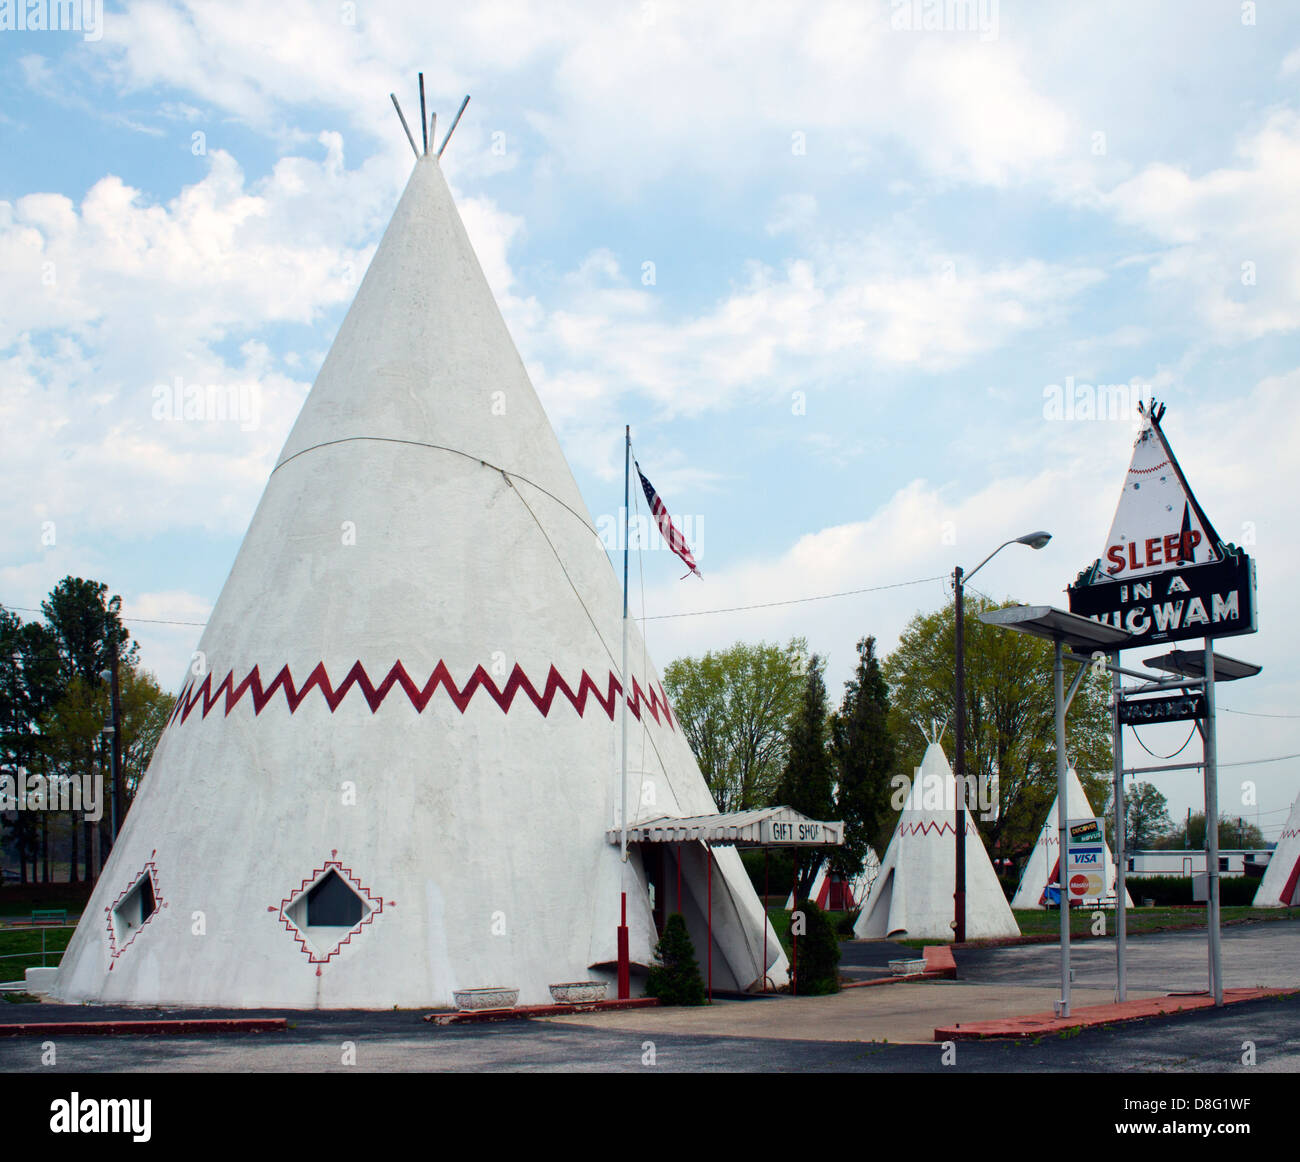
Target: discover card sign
(1085,865)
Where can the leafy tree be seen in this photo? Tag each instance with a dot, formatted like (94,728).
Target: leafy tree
(54,705)
(675,979)
(1010,717)
(29,685)
(1234,834)
(817,953)
(85,622)
(862,746)
(733,706)
(808,781)
(1146,817)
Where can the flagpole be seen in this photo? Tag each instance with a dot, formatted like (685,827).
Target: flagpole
(627,531)
(624,957)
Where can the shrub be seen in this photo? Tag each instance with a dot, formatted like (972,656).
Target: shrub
(817,954)
(1173,891)
(675,979)
(844,926)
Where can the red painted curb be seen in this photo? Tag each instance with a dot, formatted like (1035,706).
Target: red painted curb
(938,958)
(150,1028)
(524,1012)
(1040,1024)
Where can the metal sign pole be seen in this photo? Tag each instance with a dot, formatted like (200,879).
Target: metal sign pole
(1121,837)
(1212,826)
(1062,819)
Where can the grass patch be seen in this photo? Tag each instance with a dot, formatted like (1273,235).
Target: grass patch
(1139,920)
(21,948)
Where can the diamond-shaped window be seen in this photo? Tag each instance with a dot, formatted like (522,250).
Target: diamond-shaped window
(134,909)
(326,910)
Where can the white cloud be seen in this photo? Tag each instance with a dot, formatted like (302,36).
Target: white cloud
(1231,236)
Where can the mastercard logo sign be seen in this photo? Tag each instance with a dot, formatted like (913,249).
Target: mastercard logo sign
(1085,885)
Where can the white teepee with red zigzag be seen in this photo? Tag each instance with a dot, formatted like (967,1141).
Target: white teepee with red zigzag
(912,895)
(393,772)
(1043,866)
(1280,887)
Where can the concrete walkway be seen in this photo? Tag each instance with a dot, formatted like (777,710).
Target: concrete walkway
(900,1014)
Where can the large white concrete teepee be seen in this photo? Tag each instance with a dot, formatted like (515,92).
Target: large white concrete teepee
(1280,887)
(912,896)
(1043,866)
(392,770)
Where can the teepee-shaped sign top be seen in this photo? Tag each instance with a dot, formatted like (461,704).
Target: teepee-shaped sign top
(1159,525)
(1174,577)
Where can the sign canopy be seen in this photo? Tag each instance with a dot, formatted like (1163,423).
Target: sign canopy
(1165,573)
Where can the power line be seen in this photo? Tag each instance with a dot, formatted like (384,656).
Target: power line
(123,616)
(794,600)
(1256,713)
(1257,762)
(655,617)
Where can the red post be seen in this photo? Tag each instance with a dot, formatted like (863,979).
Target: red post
(708,854)
(765,894)
(624,961)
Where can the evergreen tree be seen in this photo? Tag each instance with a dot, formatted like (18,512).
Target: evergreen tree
(817,953)
(862,746)
(675,979)
(808,781)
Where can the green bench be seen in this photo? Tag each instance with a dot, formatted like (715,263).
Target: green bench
(49,916)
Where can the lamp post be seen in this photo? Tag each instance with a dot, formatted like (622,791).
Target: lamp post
(1035,541)
(115,732)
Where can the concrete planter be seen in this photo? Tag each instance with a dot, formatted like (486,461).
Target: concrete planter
(579,992)
(486,998)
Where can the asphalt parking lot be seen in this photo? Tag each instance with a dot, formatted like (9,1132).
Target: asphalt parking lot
(762,1034)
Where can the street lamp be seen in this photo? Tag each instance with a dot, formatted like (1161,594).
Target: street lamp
(114,731)
(1035,541)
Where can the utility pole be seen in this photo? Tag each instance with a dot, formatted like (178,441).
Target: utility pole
(119,802)
(959,895)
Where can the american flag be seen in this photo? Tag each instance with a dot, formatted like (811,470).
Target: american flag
(675,540)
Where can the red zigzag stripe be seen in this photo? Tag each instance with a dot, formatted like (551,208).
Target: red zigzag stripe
(933,829)
(195,694)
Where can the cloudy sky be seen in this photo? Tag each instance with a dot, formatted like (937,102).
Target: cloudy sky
(828,260)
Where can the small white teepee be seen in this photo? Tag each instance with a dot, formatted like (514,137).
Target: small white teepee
(1043,866)
(850,894)
(1280,887)
(391,772)
(912,896)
